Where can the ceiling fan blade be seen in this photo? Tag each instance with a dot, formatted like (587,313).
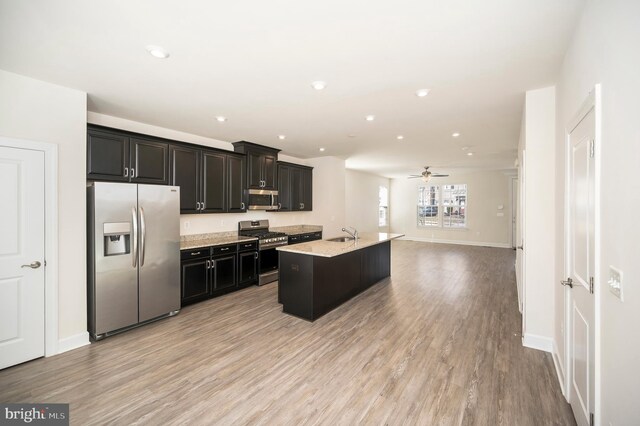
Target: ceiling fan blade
(439,175)
(413,177)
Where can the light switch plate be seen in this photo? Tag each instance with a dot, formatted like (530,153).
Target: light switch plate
(615,282)
(500,207)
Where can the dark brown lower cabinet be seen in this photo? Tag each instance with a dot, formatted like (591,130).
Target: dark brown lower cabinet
(247,268)
(195,280)
(224,273)
(213,271)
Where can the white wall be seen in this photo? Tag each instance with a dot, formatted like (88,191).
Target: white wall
(328,186)
(540,210)
(44,112)
(362,191)
(605,49)
(486,191)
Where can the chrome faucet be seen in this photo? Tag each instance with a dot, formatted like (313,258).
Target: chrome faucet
(354,233)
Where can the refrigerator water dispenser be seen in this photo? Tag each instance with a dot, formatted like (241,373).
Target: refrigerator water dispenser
(117,238)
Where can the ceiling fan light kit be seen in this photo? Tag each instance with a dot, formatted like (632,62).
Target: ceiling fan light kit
(426,175)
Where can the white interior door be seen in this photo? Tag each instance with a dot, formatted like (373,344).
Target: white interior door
(21,255)
(581,264)
(520,234)
(514,212)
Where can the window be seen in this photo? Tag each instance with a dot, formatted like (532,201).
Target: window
(383,206)
(442,206)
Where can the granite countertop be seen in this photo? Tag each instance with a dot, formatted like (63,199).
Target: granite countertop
(213,239)
(326,248)
(296,229)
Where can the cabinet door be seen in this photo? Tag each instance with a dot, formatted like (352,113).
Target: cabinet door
(107,156)
(224,272)
(269,172)
(247,267)
(185,173)
(307,189)
(284,188)
(214,182)
(149,160)
(195,283)
(235,184)
(296,189)
(254,170)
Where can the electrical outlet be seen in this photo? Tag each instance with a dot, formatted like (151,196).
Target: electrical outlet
(187,224)
(615,282)
(500,214)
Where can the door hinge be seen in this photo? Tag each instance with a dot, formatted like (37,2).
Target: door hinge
(591,285)
(591,419)
(592,148)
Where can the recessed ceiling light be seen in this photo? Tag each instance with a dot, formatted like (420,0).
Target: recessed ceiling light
(321,149)
(399,137)
(464,148)
(319,85)
(469,153)
(455,134)
(422,93)
(282,137)
(370,117)
(221,119)
(351,136)
(157,52)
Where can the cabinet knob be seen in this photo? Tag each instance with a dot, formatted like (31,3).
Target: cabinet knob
(242,206)
(133,172)
(126,172)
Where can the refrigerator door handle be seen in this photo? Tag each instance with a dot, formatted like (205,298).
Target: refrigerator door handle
(143,236)
(134,252)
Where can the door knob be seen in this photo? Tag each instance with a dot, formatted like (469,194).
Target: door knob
(32,265)
(520,247)
(568,282)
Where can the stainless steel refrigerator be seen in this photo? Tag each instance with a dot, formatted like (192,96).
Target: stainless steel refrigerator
(133,255)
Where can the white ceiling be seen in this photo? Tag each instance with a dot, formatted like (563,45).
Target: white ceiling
(254,61)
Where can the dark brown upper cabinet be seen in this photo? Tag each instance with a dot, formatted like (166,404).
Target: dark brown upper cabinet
(107,156)
(148,161)
(210,181)
(185,173)
(119,157)
(295,187)
(261,164)
(214,182)
(236,182)
(284,187)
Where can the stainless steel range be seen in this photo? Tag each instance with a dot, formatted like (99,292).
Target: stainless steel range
(267,243)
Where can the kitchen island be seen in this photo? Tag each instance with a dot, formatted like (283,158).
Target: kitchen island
(318,276)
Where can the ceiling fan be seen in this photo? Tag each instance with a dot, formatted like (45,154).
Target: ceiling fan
(427,175)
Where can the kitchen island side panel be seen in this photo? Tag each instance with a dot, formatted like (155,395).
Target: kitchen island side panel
(295,284)
(336,280)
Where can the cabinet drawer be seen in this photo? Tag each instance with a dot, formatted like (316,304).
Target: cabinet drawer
(295,239)
(230,248)
(195,253)
(248,246)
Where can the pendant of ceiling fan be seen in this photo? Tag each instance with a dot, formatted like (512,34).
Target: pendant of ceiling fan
(426,175)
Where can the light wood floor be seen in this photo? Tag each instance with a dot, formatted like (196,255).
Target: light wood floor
(437,343)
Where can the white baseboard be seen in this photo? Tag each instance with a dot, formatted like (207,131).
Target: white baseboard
(73,342)
(541,343)
(557,362)
(460,242)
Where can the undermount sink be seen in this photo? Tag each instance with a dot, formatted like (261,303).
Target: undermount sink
(341,239)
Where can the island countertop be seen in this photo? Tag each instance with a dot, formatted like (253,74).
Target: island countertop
(326,248)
